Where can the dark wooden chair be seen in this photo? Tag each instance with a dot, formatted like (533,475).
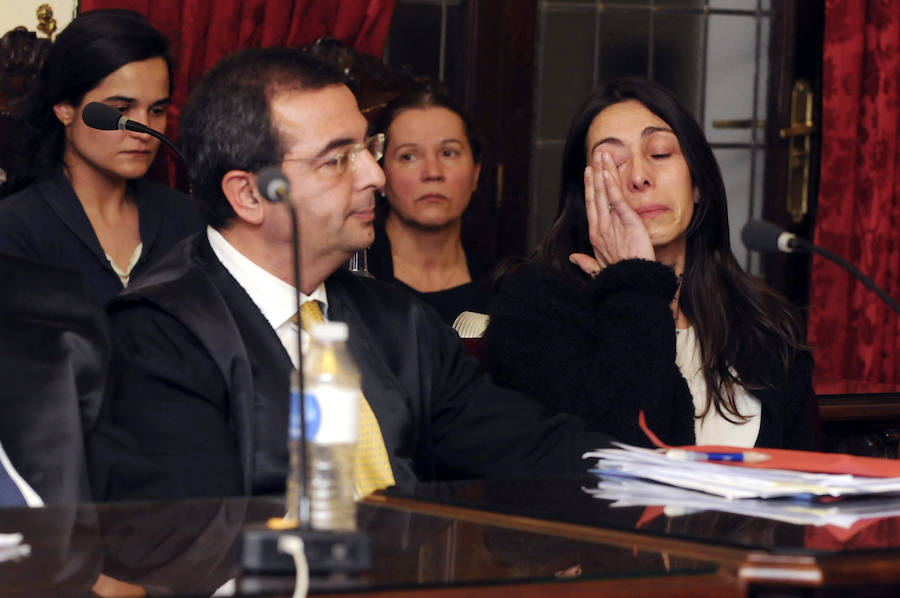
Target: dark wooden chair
(21,54)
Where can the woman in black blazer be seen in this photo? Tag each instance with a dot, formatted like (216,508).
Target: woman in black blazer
(79,199)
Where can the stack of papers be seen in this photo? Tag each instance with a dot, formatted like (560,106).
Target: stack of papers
(677,502)
(634,476)
(731,482)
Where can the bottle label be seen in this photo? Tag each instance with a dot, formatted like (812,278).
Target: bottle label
(313,416)
(331,414)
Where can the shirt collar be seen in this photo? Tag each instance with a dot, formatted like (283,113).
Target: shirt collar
(275,298)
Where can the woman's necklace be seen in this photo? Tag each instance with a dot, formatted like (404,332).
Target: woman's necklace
(676,308)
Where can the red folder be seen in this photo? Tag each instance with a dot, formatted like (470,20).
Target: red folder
(808,461)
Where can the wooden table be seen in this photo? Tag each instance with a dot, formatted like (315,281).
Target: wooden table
(760,556)
(538,538)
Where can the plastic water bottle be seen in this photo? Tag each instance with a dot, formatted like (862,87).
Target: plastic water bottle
(332,394)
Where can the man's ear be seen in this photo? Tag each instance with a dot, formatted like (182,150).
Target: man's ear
(64,112)
(239,187)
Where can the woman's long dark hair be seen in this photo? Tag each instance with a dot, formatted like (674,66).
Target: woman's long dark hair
(91,47)
(735,316)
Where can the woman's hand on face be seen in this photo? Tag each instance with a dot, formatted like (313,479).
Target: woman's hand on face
(615,230)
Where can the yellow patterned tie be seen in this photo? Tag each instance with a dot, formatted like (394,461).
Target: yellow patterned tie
(371,466)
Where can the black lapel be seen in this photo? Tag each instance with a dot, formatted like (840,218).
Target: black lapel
(59,195)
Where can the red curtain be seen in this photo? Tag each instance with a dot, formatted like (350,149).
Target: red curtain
(202,31)
(856,336)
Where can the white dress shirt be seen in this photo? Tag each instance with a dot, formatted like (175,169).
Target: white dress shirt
(714,429)
(125,275)
(275,298)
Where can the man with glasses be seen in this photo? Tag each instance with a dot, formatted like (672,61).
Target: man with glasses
(206,341)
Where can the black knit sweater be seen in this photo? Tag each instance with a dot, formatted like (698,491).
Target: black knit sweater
(605,350)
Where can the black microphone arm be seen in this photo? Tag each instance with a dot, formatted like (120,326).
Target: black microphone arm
(98,115)
(762,236)
(275,188)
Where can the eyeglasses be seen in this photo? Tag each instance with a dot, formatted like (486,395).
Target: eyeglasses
(336,165)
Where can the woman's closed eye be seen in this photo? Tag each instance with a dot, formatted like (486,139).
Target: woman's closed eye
(661,147)
(619,156)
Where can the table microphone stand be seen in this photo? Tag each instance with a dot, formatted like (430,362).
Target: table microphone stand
(329,554)
(759,235)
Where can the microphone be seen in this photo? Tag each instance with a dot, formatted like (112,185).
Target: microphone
(759,235)
(273,184)
(766,237)
(98,115)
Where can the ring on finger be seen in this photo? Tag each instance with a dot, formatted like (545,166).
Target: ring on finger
(610,206)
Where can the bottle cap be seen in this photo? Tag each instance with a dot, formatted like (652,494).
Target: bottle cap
(329,331)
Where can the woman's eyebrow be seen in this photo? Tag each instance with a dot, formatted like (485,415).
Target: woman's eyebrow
(120,99)
(651,130)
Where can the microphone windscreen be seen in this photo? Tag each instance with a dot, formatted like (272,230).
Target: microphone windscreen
(759,235)
(100,116)
(272,183)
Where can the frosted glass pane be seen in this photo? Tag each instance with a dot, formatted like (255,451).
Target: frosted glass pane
(740,4)
(731,59)
(414,39)
(735,166)
(566,69)
(678,56)
(545,198)
(733,4)
(454,59)
(681,3)
(764,28)
(759,193)
(624,37)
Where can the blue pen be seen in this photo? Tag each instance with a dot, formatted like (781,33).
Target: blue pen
(737,457)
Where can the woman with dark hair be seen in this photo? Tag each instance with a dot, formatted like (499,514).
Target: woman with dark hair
(432,159)
(635,302)
(78,197)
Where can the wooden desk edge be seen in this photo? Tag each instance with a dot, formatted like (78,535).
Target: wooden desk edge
(687,586)
(748,565)
(731,561)
(854,408)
